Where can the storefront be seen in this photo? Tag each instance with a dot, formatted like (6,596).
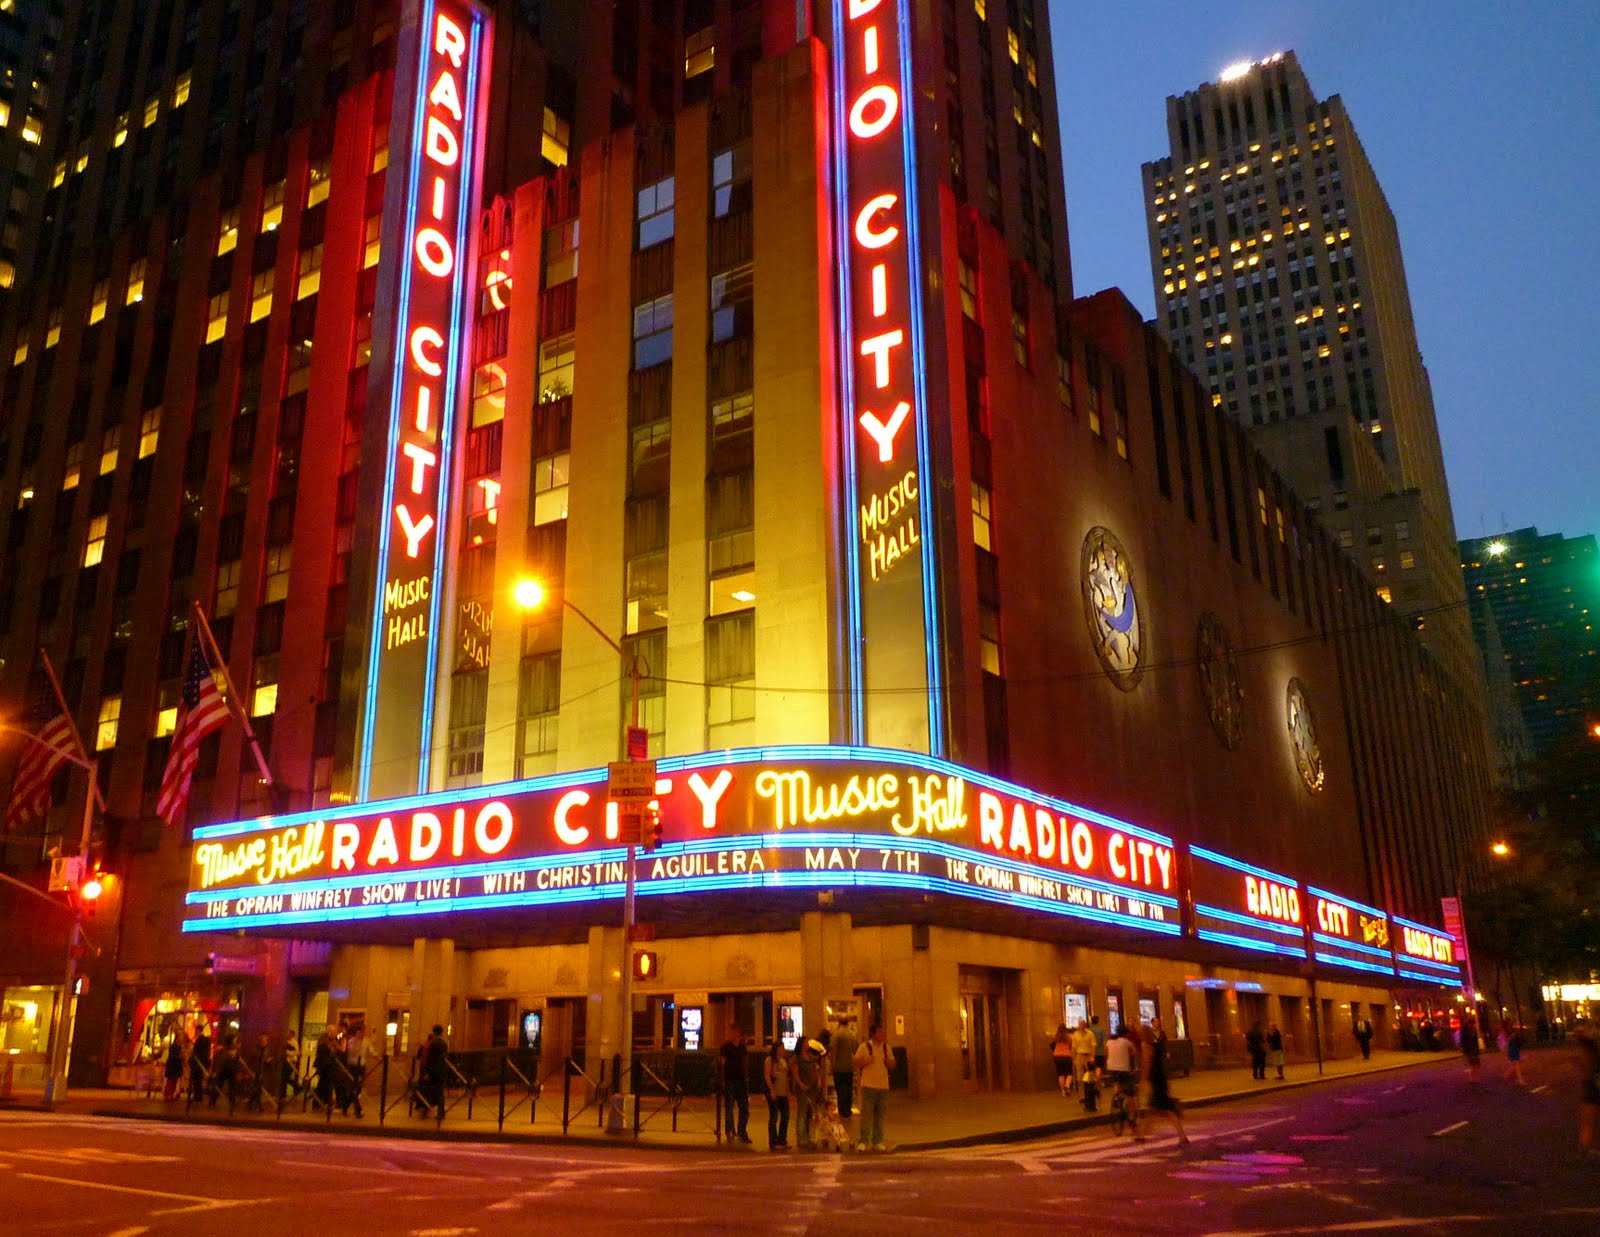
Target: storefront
(968,914)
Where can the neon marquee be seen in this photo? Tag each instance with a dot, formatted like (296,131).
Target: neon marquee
(892,617)
(440,128)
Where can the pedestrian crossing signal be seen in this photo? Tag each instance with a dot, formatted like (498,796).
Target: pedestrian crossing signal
(651,832)
(644,964)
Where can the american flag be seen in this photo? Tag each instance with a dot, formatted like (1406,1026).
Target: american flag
(41,757)
(204,710)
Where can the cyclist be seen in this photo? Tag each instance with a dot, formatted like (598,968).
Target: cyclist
(1122,1068)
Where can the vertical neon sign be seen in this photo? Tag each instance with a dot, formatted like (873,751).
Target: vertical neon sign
(439,126)
(892,618)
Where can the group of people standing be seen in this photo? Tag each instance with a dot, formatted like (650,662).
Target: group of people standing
(1264,1047)
(819,1080)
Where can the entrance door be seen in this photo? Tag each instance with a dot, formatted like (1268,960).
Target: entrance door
(984,1037)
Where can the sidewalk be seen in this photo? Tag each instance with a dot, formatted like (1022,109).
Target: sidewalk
(956,1121)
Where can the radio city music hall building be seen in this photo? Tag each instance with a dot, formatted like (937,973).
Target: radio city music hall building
(990,676)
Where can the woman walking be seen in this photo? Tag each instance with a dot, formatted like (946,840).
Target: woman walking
(1061,1054)
(1161,1101)
(778,1074)
(1275,1049)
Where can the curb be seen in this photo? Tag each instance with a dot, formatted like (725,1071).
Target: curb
(431,1133)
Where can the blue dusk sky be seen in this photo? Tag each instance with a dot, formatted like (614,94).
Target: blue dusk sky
(1482,121)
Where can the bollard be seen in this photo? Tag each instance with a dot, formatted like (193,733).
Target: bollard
(502,1124)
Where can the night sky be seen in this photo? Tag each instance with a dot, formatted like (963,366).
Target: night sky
(1482,121)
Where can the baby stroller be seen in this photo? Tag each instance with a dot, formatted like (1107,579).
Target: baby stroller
(1089,1090)
(830,1134)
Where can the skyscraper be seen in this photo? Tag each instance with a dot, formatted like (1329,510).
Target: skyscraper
(1535,603)
(1279,278)
(755,350)
(29,33)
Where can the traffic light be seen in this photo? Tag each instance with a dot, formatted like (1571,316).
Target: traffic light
(651,831)
(89,893)
(644,964)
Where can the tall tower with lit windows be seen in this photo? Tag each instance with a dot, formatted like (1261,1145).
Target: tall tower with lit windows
(1279,278)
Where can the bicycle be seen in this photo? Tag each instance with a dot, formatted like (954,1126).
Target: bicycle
(1123,1117)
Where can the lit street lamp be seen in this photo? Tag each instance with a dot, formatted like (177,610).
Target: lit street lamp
(529,595)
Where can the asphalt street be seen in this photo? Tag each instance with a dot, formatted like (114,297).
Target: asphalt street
(1422,1150)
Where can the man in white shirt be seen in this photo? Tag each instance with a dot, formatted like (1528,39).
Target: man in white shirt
(1122,1065)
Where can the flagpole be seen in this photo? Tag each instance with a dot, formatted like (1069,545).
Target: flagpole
(84,759)
(214,655)
(64,1016)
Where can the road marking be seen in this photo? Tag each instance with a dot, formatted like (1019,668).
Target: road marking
(1318,1138)
(1539,1088)
(1372,1224)
(549,1187)
(1449,1129)
(94,1155)
(398,1172)
(205,1203)
(130,1232)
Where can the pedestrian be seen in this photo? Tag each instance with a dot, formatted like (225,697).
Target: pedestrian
(735,1086)
(435,1063)
(324,1062)
(1083,1047)
(200,1062)
(291,1064)
(810,1092)
(1099,1033)
(844,1068)
(1471,1046)
(1275,1049)
(1363,1030)
(1161,1099)
(355,1067)
(778,1073)
(1255,1043)
(225,1073)
(1061,1055)
(1122,1066)
(1514,1039)
(1588,1084)
(175,1065)
(874,1059)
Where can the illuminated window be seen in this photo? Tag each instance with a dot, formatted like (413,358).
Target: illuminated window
(1386,594)
(555,368)
(8,274)
(655,213)
(105,731)
(1281,535)
(1347,538)
(94,548)
(730,180)
(967,277)
(733,422)
(1408,560)
(180,90)
(652,332)
(380,153)
(981,8)
(730,644)
(560,253)
(276,584)
(97,301)
(149,432)
(135,281)
(264,700)
(1064,381)
(699,52)
(52,328)
(982,516)
(228,231)
(272,207)
(32,130)
(556,139)
(166,722)
(21,354)
(217,317)
(732,302)
(74,466)
(120,136)
(1378,565)
(550,477)
(1402,530)
(81,164)
(318,183)
(108,451)
(538,714)
(310,272)
(488,394)
(152,109)
(1261,505)
(1012,48)
(60,175)
(989,637)
(373,242)
(227,587)
(1020,346)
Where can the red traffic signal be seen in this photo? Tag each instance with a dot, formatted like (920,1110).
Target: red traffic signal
(89,893)
(644,964)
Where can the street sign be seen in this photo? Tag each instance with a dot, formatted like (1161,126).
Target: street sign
(638,743)
(643,932)
(65,872)
(631,780)
(630,825)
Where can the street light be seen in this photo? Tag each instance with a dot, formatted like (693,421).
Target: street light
(1500,849)
(530,595)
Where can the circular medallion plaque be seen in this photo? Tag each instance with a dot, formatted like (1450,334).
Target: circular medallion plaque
(1111,607)
(1303,737)
(1219,680)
